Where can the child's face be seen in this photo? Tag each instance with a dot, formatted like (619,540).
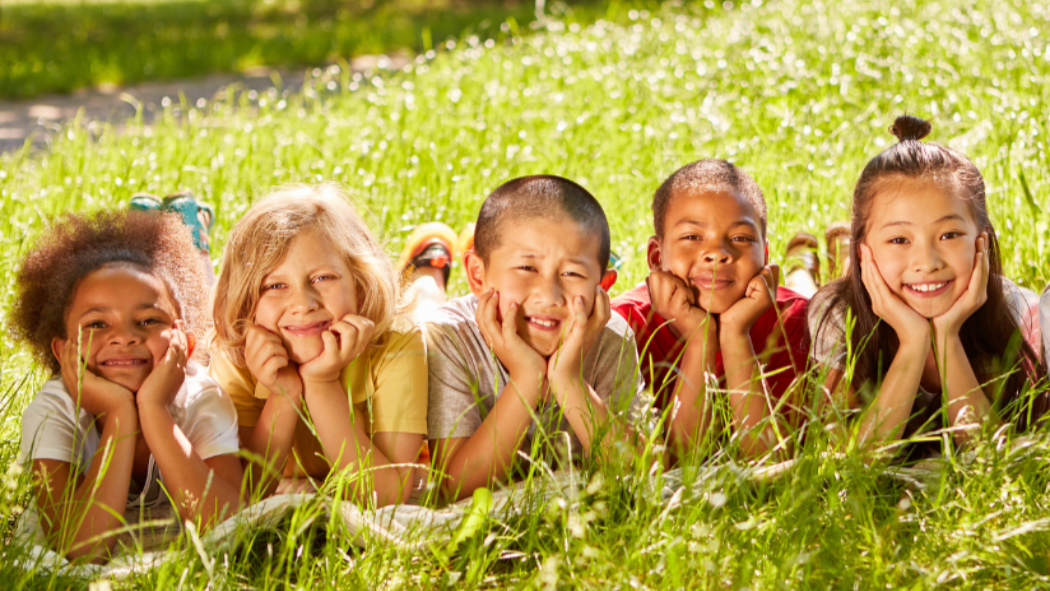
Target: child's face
(713,241)
(127,317)
(542,264)
(304,294)
(923,240)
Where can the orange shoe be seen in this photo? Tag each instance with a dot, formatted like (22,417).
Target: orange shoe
(429,245)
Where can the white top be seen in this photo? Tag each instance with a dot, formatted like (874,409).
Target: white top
(1044,322)
(54,428)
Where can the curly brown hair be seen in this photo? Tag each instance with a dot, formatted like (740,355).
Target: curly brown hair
(77,244)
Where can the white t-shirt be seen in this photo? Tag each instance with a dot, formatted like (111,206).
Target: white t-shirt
(53,428)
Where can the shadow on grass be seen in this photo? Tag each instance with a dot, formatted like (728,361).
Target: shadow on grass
(58,46)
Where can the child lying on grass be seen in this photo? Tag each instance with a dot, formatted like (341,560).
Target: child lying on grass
(533,352)
(707,308)
(127,403)
(935,319)
(309,345)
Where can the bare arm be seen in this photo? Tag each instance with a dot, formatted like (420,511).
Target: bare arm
(77,511)
(271,439)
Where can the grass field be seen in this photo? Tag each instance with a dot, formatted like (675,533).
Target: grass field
(49,46)
(799,92)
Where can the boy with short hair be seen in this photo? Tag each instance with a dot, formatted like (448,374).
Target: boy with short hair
(536,332)
(707,307)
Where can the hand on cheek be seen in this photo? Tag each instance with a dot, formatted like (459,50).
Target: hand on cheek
(909,325)
(760,295)
(90,391)
(501,334)
(343,342)
(268,360)
(950,322)
(673,299)
(581,333)
(169,372)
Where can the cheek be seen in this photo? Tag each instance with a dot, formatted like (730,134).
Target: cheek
(267,313)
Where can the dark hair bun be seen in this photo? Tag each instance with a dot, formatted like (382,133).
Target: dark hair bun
(908,127)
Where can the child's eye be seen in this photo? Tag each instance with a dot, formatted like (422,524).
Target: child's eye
(271,286)
(743,239)
(323,278)
(691,237)
(527,268)
(95,324)
(573,274)
(898,240)
(950,235)
(150,321)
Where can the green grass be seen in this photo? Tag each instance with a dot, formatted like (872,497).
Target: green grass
(49,46)
(798,92)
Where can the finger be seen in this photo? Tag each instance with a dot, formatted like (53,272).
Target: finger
(330,348)
(348,338)
(602,307)
(509,328)
(365,327)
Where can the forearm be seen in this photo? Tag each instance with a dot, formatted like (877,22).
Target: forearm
(488,454)
(97,504)
(690,415)
(589,417)
(196,490)
(967,404)
(748,396)
(885,418)
(271,440)
(348,447)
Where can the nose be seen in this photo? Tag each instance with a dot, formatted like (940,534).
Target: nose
(550,292)
(926,259)
(717,255)
(125,333)
(305,299)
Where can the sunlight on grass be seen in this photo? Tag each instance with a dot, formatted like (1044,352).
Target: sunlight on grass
(799,93)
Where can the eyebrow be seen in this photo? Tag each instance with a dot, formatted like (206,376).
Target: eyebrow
(703,224)
(949,217)
(104,309)
(531,255)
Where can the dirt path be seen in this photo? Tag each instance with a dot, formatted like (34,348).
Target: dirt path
(39,119)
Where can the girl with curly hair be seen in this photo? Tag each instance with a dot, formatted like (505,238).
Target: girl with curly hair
(309,343)
(110,303)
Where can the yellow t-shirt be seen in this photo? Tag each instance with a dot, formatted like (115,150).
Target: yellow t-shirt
(387,384)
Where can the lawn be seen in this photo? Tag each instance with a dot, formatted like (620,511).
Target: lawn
(799,92)
(49,46)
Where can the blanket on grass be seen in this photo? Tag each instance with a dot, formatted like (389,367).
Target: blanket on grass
(144,542)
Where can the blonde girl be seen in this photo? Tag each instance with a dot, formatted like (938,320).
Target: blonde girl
(936,322)
(324,374)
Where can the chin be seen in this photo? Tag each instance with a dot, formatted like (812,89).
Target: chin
(304,352)
(132,383)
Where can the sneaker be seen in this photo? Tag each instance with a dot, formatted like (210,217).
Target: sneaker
(837,238)
(429,245)
(802,254)
(198,216)
(465,240)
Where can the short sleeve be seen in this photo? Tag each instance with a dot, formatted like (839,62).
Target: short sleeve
(209,417)
(239,387)
(1044,321)
(399,372)
(826,330)
(49,428)
(618,380)
(453,410)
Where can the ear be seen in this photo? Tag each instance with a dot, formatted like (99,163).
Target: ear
(767,254)
(475,270)
(609,279)
(653,255)
(57,345)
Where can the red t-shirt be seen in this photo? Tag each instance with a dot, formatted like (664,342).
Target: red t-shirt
(658,347)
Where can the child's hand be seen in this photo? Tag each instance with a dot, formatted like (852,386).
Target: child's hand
(268,361)
(520,359)
(164,382)
(343,342)
(97,395)
(580,335)
(976,294)
(909,324)
(760,294)
(673,299)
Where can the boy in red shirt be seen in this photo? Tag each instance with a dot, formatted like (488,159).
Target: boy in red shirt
(707,308)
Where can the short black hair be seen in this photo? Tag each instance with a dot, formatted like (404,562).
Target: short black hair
(707,175)
(539,196)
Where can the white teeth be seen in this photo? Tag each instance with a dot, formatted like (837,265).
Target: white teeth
(928,286)
(545,323)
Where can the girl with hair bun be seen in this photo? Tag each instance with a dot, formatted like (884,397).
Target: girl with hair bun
(935,324)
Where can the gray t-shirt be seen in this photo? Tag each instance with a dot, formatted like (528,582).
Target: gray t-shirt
(466,378)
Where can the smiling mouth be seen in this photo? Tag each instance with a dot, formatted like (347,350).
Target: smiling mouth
(929,288)
(307,330)
(136,362)
(543,323)
(712,282)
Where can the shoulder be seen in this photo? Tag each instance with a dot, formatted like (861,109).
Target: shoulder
(615,335)
(633,301)
(454,312)
(226,372)
(403,339)
(1015,299)
(201,394)
(52,402)
(452,326)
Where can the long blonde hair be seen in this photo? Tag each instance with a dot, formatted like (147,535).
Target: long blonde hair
(260,241)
